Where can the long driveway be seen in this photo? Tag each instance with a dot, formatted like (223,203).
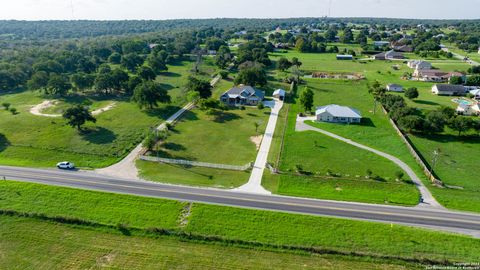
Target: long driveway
(254,184)
(428,199)
(432,218)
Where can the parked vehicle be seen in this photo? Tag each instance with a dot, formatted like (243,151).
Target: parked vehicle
(66,165)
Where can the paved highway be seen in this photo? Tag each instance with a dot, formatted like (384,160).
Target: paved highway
(438,219)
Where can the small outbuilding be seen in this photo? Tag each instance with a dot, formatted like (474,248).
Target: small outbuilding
(394,88)
(279,94)
(338,114)
(344,57)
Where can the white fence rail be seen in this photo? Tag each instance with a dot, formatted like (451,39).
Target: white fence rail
(197,164)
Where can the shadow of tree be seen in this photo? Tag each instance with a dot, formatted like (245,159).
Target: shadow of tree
(162,112)
(173,146)
(426,102)
(4,143)
(98,135)
(171,74)
(223,117)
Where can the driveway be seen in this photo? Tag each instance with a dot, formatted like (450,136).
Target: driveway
(428,199)
(254,184)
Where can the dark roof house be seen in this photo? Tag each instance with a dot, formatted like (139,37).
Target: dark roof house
(242,95)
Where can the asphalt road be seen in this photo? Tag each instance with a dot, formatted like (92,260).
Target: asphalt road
(459,222)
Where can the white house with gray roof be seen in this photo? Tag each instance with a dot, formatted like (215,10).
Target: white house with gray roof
(242,95)
(338,114)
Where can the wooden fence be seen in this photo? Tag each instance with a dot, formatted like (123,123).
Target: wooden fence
(197,164)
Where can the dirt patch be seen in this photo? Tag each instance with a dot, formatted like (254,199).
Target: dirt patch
(257,140)
(104,109)
(106,260)
(185,214)
(37,109)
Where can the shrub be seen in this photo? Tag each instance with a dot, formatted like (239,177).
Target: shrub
(6,105)
(260,106)
(13,111)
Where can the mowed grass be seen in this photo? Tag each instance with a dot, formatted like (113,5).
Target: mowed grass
(32,244)
(35,141)
(105,208)
(192,176)
(318,154)
(223,138)
(331,234)
(456,166)
(262,227)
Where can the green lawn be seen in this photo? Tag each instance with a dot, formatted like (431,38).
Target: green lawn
(263,227)
(32,244)
(206,138)
(35,141)
(331,234)
(456,162)
(193,176)
(317,153)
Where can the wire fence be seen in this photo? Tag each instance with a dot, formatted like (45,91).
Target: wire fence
(197,164)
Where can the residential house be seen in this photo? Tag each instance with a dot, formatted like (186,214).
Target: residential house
(344,57)
(469,109)
(432,75)
(475,93)
(403,48)
(419,64)
(242,95)
(390,55)
(448,90)
(380,43)
(338,114)
(279,94)
(394,88)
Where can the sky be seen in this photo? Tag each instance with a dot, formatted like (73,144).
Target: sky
(192,9)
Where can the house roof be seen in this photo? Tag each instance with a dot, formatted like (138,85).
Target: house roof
(394,85)
(279,92)
(344,56)
(438,73)
(244,91)
(450,88)
(475,92)
(339,111)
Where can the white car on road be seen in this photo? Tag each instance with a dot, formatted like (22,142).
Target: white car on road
(66,165)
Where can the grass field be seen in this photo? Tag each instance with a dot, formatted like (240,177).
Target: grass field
(192,176)
(32,244)
(201,137)
(35,141)
(317,153)
(266,228)
(456,161)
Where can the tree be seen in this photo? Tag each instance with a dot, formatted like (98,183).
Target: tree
(115,58)
(296,62)
(214,43)
(82,81)
(203,87)
(456,80)
(435,122)
(306,99)
(460,124)
(411,93)
(256,125)
(283,64)
(146,73)
(6,105)
(254,76)
(223,57)
(7,80)
(399,175)
(131,61)
(39,80)
(411,123)
(347,36)
(133,82)
(57,85)
(148,94)
(473,80)
(77,116)
(157,62)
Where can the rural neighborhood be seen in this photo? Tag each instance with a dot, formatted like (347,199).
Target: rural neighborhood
(291,143)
